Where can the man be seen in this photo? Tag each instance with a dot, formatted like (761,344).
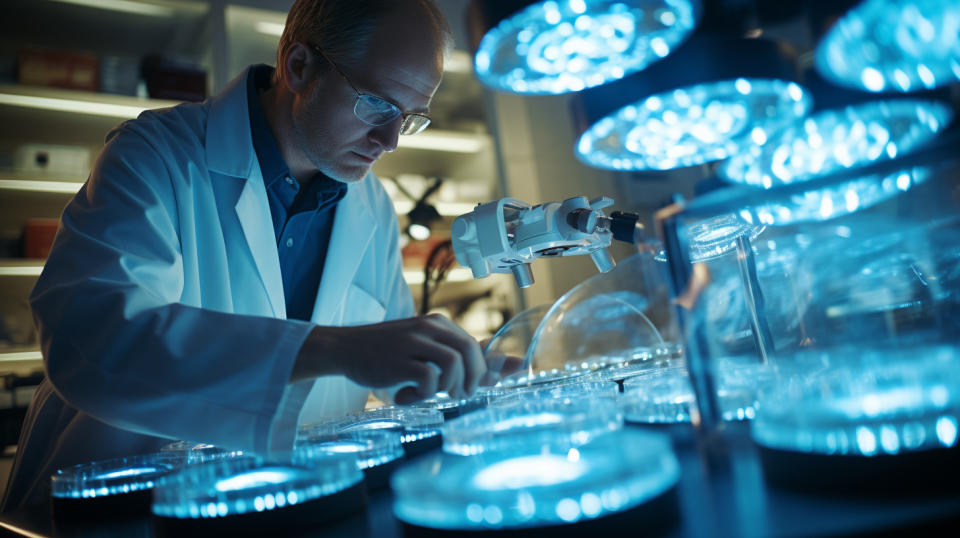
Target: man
(167,306)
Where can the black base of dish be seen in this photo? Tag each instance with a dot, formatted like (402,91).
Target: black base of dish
(909,474)
(132,504)
(657,517)
(413,449)
(275,522)
(379,476)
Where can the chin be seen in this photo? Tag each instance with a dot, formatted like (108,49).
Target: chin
(347,174)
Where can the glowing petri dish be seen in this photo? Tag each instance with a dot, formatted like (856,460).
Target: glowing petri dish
(369,448)
(199,452)
(834,140)
(692,125)
(660,396)
(588,388)
(527,424)
(113,477)
(224,490)
(450,407)
(553,376)
(557,485)
(879,404)
(414,424)
(553,47)
(893,45)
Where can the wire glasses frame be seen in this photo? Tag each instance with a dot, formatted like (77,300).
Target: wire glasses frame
(374,110)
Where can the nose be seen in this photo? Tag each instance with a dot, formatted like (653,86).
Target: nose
(387,135)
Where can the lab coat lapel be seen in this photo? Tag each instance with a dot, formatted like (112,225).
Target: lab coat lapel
(353,227)
(230,152)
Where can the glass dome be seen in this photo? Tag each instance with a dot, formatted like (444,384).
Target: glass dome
(609,318)
(692,125)
(513,339)
(562,46)
(893,45)
(546,487)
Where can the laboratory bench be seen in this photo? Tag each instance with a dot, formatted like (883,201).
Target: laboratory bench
(721,492)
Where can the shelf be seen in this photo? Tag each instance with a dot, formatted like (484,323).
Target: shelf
(25,267)
(78,102)
(21,360)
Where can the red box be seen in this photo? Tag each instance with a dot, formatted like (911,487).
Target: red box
(75,71)
(38,237)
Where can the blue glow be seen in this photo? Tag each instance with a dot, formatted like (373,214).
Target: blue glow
(369,448)
(557,47)
(199,452)
(865,407)
(894,45)
(838,200)
(835,140)
(692,125)
(112,477)
(527,425)
(223,489)
(556,486)
(414,424)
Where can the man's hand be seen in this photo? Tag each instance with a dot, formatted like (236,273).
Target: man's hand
(499,365)
(431,352)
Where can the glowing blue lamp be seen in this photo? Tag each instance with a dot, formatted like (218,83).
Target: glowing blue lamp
(876,419)
(559,46)
(547,486)
(893,46)
(253,494)
(711,99)
(529,422)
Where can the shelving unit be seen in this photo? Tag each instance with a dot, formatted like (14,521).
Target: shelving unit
(222,36)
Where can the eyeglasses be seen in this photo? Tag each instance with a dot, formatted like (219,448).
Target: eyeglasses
(374,110)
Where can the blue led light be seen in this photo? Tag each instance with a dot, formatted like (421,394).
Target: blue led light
(414,424)
(835,140)
(554,486)
(112,477)
(837,200)
(894,45)
(528,423)
(877,404)
(562,46)
(692,125)
(369,448)
(229,488)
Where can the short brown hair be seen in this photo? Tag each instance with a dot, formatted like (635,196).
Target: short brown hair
(344,28)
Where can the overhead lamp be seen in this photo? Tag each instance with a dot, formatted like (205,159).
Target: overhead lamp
(712,98)
(893,46)
(836,140)
(559,46)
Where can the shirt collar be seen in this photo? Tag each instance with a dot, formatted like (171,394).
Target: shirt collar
(271,160)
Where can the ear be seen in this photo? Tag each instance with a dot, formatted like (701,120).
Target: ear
(299,67)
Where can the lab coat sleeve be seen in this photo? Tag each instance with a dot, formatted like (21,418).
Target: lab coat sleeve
(116,342)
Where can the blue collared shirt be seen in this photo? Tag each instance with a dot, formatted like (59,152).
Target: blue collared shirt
(302,221)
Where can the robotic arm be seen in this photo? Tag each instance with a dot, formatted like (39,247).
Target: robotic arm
(506,235)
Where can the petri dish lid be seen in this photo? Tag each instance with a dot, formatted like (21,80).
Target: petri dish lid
(113,477)
(529,424)
(369,448)
(199,452)
(558,485)
(252,485)
(414,423)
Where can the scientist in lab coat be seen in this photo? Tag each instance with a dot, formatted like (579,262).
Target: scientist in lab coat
(231,269)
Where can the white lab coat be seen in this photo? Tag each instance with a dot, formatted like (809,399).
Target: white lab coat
(161,309)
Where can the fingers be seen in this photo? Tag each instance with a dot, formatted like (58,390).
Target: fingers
(425,376)
(474,366)
(447,360)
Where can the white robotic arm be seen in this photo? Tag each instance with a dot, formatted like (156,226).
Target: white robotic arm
(506,235)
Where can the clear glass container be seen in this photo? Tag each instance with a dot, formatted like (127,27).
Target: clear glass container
(369,448)
(200,452)
(529,422)
(113,477)
(413,424)
(550,484)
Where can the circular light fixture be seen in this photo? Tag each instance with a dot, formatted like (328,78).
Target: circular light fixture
(117,486)
(253,495)
(527,423)
(551,486)
(891,45)
(692,125)
(711,99)
(839,139)
(561,46)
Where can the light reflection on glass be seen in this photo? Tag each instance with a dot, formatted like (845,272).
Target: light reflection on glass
(113,477)
(891,45)
(562,46)
(692,125)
